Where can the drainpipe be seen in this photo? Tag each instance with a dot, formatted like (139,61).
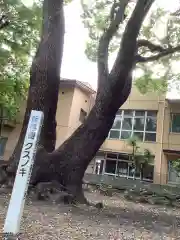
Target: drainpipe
(1,120)
(162,137)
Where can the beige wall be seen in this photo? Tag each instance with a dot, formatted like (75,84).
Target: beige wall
(171,141)
(68,118)
(63,113)
(80,100)
(70,101)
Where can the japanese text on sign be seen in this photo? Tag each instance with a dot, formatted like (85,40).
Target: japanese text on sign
(25,158)
(16,205)
(33,128)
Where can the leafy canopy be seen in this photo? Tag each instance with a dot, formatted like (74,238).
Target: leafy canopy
(18,41)
(161,29)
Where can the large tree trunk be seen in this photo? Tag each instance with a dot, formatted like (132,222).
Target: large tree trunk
(45,78)
(68,163)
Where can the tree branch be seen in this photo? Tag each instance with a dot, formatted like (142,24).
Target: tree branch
(151,46)
(116,17)
(4,21)
(128,48)
(164,52)
(176,13)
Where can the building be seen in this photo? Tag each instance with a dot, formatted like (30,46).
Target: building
(154,118)
(75,101)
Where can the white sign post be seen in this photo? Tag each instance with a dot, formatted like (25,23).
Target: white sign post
(23,174)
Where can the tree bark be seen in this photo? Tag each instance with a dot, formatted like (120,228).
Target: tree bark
(68,163)
(45,78)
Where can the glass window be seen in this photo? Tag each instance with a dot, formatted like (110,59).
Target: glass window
(139,135)
(148,172)
(122,156)
(150,137)
(122,168)
(119,112)
(152,114)
(139,113)
(3,141)
(138,171)
(175,125)
(131,170)
(139,124)
(82,115)
(127,124)
(110,166)
(117,123)
(125,168)
(125,134)
(112,155)
(99,166)
(114,134)
(128,113)
(135,122)
(151,124)
(173,175)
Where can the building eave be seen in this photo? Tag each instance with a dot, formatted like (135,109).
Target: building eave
(75,83)
(173,100)
(174,152)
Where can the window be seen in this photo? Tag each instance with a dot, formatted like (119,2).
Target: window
(124,168)
(3,141)
(82,115)
(173,175)
(98,168)
(175,123)
(148,172)
(139,123)
(110,167)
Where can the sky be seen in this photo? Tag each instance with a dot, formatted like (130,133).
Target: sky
(75,63)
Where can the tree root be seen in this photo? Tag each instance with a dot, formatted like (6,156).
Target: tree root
(44,191)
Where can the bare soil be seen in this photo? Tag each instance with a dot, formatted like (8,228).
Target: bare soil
(118,220)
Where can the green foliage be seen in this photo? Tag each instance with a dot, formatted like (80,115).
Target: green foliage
(148,157)
(146,83)
(141,159)
(159,27)
(96,18)
(176,166)
(18,42)
(133,141)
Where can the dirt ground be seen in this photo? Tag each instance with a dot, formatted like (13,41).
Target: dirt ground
(119,220)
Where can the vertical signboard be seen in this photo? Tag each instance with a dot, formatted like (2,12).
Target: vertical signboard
(23,174)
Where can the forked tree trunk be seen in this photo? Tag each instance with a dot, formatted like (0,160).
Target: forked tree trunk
(68,163)
(45,78)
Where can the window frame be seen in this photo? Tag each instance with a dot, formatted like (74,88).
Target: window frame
(4,145)
(171,123)
(127,176)
(122,116)
(172,171)
(82,114)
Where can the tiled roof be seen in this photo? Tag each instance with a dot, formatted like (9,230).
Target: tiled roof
(82,85)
